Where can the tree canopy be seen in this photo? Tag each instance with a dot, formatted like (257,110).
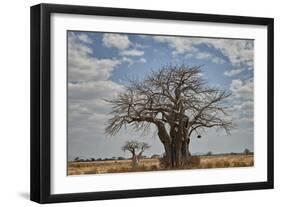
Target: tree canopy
(177,101)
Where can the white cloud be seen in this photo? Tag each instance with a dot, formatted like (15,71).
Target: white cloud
(82,66)
(218,60)
(85,38)
(128,60)
(179,44)
(138,45)
(231,73)
(245,106)
(142,60)
(242,103)
(132,52)
(188,55)
(236,84)
(239,52)
(121,42)
(93,89)
(203,55)
(240,89)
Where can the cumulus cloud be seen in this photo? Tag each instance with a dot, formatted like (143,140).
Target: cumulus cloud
(231,73)
(127,60)
(206,56)
(218,60)
(203,55)
(242,89)
(118,41)
(243,104)
(132,52)
(85,38)
(142,60)
(179,44)
(93,89)
(238,52)
(83,66)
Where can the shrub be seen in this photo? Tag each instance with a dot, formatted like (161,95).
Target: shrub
(226,164)
(92,171)
(190,162)
(219,164)
(209,153)
(154,167)
(247,151)
(208,165)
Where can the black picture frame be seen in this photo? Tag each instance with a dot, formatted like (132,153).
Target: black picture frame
(41,102)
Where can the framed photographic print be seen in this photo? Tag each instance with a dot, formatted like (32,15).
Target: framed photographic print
(133,103)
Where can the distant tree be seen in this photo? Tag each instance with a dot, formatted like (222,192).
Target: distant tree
(209,153)
(247,151)
(92,159)
(121,158)
(136,149)
(77,159)
(155,156)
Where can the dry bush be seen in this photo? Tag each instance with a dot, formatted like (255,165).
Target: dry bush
(92,171)
(219,163)
(226,164)
(236,164)
(251,163)
(209,165)
(138,168)
(190,163)
(154,167)
(222,163)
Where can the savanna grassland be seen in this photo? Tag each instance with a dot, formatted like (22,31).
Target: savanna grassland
(196,162)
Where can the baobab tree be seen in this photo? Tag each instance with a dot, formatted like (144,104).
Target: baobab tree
(136,149)
(178,102)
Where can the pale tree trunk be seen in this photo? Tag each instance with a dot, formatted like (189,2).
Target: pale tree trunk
(135,160)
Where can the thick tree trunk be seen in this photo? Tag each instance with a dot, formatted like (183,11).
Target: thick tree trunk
(176,147)
(185,151)
(177,154)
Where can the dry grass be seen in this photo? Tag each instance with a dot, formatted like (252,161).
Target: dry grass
(118,166)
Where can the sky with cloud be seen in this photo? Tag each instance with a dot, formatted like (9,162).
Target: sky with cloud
(99,64)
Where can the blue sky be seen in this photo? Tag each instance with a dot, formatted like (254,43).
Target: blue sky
(99,63)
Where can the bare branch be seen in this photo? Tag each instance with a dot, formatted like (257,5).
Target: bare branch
(175,99)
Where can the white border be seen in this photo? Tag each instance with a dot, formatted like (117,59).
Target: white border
(60,183)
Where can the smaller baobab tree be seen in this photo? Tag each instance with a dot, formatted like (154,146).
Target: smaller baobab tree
(247,151)
(136,149)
